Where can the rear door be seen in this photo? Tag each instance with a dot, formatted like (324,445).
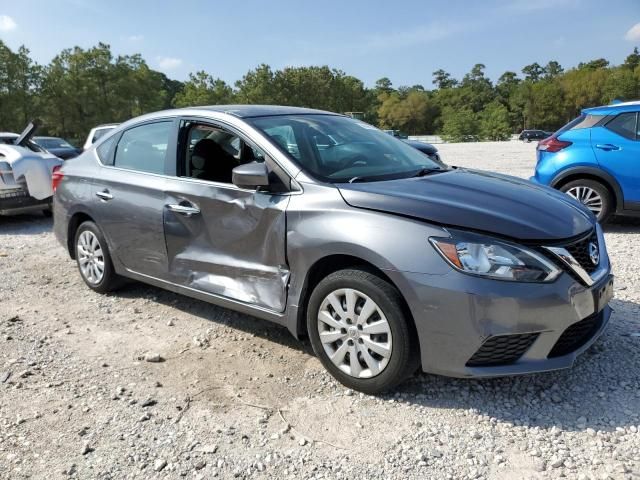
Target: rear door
(222,239)
(617,147)
(129,195)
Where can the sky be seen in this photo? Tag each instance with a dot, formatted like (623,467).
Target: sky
(404,40)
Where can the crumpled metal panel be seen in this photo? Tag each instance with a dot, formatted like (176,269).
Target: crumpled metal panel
(34,169)
(234,248)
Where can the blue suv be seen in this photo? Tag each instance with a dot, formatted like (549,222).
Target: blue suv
(595,158)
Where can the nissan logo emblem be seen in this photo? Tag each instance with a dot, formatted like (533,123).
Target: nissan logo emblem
(594,255)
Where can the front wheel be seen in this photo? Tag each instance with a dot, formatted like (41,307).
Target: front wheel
(360,332)
(593,195)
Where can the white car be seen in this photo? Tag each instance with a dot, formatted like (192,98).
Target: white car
(26,173)
(97,132)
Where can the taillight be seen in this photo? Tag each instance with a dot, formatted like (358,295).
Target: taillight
(56,177)
(552,144)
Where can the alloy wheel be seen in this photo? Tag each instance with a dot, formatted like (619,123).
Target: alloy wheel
(90,257)
(354,333)
(588,196)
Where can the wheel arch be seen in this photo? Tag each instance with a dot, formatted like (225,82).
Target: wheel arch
(75,221)
(594,174)
(332,263)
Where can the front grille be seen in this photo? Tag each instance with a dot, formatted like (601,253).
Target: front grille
(580,251)
(502,349)
(576,335)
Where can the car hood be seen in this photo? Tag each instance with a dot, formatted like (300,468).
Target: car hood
(476,200)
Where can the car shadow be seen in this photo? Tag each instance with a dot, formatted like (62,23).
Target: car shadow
(25,224)
(581,397)
(622,225)
(215,314)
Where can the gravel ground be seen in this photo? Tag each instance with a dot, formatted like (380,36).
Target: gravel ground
(148,384)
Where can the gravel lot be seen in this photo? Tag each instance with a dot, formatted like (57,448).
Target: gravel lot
(238,397)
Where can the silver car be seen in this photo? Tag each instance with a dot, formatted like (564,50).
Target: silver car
(384,258)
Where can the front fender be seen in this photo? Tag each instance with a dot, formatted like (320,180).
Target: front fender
(320,224)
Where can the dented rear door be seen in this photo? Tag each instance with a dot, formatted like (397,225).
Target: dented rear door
(227,241)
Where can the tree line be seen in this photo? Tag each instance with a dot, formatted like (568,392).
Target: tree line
(81,88)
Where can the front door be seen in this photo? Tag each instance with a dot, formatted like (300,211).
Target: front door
(617,148)
(222,239)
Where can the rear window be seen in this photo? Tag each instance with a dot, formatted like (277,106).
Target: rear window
(583,121)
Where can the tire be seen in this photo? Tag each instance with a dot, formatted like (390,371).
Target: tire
(91,248)
(376,373)
(594,195)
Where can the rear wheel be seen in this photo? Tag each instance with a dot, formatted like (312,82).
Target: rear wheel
(359,331)
(94,260)
(593,195)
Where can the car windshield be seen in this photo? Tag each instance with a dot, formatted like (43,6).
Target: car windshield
(339,149)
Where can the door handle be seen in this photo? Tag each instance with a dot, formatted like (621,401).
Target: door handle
(186,210)
(607,147)
(104,195)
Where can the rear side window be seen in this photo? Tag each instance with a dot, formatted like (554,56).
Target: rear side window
(583,121)
(144,148)
(105,151)
(625,125)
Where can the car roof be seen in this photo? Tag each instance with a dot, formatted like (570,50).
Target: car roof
(48,138)
(248,111)
(238,111)
(106,125)
(613,109)
(9,134)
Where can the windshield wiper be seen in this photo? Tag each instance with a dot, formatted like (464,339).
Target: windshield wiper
(426,171)
(396,176)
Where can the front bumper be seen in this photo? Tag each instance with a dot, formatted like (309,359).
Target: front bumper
(455,314)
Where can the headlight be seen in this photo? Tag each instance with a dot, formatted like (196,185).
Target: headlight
(488,257)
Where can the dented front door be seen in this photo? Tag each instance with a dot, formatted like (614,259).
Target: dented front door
(227,241)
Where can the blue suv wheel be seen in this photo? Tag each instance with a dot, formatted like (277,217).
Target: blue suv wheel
(594,195)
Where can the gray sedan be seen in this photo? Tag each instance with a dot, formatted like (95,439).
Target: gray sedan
(385,258)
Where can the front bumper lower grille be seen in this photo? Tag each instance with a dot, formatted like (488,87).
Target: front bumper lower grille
(576,335)
(502,349)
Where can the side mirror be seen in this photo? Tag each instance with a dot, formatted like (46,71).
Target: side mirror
(250,175)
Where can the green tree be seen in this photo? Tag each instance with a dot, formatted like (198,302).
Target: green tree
(203,89)
(633,60)
(597,64)
(19,83)
(442,79)
(257,87)
(552,70)
(459,125)
(494,122)
(533,72)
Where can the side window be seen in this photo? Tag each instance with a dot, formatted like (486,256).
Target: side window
(144,148)
(624,125)
(104,151)
(211,152)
